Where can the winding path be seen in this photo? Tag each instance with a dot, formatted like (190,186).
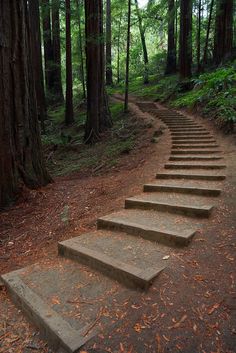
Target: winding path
(131,245)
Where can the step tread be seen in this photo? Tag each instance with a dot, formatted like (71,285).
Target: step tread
(184,186)
(142,259)
(55,328)
(176,199)
(167,223)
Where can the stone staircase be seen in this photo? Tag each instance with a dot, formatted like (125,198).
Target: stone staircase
(130,245)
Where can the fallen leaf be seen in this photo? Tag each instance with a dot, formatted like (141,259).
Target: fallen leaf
(158,339)
(166,257)
(213,308)
(183,318)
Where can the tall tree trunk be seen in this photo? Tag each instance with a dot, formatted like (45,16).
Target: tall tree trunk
(21,160)
(56,40)
(199,36)
(204,60)
(35,35)
(98,116)
(118,49)
(185,39)
(127,60)
(143,41)
(223,31)
(80,48)
(108,44)
(171,53)
(48,47)
(69,112)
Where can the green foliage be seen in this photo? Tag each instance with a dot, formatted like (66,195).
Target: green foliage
(66,152)
(214,93)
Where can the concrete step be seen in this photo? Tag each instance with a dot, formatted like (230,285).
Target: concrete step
(189,205)
(182,125)
(192,176)
(115,254)
(162,227)
(194,166)
(189,138)
(192,146)
(194,142)
(194,151)
(180,129)
(194,158)
(190,133)
(184,189)
(53,327)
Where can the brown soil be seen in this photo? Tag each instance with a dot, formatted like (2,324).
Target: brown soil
(190,308)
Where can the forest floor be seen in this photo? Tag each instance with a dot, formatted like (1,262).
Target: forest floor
(190,308)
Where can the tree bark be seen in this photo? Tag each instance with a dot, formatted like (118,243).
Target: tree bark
(223,31)
(56,41)
(109,80)
(35,35)
(185,40)
(171,53)
(98,115)
(204,61)
(48,48)
(199,36)
(127,60)
(21,160)
(69,111)
(80,47)
(118,50)
(143,41)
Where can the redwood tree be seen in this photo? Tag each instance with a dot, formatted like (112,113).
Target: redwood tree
(98,115)
(223,31)
(108,44)
(21,160)
(143,42)
(127,59)
(56,42)
(185,39)
(171,52)
(48,46)
(69,112)
(37,59)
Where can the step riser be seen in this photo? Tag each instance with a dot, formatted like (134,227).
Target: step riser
(112,270)
(182,125)
(193,138)
(164,238)
(194,129)
(193,166)
(205,146)
(182,190)
(190,134)
(188,142)
(55,330)
(183,210)
(191,177)
(192,152)
(181,159)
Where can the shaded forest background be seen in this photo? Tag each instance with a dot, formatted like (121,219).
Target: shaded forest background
(63,62)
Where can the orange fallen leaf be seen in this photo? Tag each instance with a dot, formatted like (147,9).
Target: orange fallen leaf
(183,318)
(213,308)
(158,339)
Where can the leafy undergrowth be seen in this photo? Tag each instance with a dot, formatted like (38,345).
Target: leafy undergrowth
(66,152)
(213,94)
